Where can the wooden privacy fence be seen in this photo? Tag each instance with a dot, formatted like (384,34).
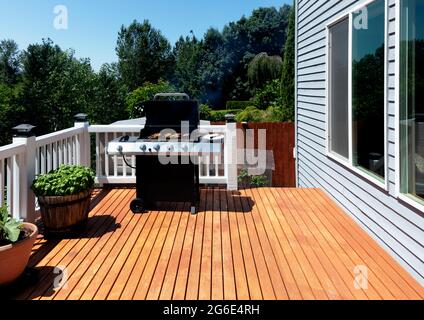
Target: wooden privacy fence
(280,140)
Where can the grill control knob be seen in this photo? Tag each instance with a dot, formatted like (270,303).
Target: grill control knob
(157,148)
(143,148)
(185,148)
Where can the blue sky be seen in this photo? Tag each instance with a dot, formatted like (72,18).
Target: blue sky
(93,25)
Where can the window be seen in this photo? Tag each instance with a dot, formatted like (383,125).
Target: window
(412,99)
(356,90)
(368,61)
(339,91)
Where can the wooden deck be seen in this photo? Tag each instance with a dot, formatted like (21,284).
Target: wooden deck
(255,244)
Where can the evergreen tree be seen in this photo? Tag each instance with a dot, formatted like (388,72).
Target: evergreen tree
(288,75)
(144,54)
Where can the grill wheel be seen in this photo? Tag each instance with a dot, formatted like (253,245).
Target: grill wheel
(137,206)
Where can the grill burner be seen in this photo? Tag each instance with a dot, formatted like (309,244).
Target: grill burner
(169,125)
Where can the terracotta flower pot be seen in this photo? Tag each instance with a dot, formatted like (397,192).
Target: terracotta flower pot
(14,257)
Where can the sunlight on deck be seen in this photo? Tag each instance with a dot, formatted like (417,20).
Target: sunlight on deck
(255,244)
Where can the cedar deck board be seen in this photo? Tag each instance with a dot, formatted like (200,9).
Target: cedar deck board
(253,244)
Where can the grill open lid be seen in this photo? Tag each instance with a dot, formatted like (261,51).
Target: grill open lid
(170,113)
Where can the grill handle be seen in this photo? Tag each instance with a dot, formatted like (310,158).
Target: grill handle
(159,96)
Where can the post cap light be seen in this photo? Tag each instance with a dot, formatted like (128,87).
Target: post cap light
(23,131)
(230,118)
(81,117)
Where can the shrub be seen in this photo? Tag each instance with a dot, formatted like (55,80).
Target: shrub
(268,96)
(10,229)
(64,181)
(251,181)
(205,112)
(219,115)
(239,105)
(259,181)
(136,99)
(272,114)
(250,114)
(278,114)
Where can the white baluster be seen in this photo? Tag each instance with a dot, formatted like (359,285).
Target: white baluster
(107,172)
(2,183)
(9,183)
(98,162)
(115,160)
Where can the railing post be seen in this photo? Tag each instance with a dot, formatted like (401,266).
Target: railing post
(81,121)
(24,201)
(230,153)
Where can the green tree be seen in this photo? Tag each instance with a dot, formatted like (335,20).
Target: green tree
(263,31)
(9,62)
(138,97)
(10,111)
(188,58)
(55,86)
(213,68)
(144,54)
(109,97)
(264,68)
(288,74)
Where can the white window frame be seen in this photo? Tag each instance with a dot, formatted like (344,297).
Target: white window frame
(348,163)
(404,197)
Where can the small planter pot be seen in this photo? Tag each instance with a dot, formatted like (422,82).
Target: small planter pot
(65,214)
(14,257)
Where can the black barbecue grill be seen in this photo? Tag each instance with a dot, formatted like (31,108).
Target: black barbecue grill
(170,122)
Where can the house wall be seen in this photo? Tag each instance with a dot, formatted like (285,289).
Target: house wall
(397,226)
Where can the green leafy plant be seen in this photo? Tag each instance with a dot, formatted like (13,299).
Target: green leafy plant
(64,181)
(10,229)
(219,115)
(259,181)
(250,181)
(250,114)
(205,112)
(243,177)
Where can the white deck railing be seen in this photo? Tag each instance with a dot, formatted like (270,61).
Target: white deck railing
(29,156)
(58,148)
(11,158)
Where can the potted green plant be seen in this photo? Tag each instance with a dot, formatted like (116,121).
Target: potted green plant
(64,197)
(16,242)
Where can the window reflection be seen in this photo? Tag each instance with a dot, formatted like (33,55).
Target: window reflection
(368,56)
(339,88)
(412,98)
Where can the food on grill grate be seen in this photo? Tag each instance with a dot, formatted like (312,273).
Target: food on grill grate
(168,136)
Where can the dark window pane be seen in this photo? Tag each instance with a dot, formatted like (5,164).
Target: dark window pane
(338,95)
(368,89)
(412,97)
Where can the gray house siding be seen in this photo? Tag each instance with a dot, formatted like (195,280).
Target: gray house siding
(398,227)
